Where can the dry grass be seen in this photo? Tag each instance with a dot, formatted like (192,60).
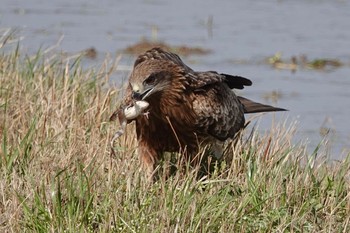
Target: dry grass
(57,174)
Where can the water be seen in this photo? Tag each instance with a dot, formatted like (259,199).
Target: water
(247,31)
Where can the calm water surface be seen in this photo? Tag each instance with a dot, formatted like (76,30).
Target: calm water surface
(243,34)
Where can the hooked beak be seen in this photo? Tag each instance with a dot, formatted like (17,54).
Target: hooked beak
(142,92)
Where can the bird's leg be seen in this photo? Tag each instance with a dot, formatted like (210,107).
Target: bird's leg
(146,114)
(217,149)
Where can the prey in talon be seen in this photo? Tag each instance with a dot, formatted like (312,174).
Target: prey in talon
(127,114)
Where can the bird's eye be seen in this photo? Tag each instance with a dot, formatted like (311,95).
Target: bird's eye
(150,80)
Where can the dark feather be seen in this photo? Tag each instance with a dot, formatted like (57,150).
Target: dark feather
(254,107)
(199,80)
(237,82)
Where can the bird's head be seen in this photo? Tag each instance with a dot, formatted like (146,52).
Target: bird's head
(149,79)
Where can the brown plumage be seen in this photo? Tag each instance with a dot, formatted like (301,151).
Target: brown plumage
(186,108)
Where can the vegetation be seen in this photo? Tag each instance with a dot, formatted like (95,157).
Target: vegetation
(302,62)
(58,175)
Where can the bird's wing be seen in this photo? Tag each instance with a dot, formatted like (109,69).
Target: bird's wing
(237,82)
(197,80)
(218,110)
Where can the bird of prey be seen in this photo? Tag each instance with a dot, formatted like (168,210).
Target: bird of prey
(177,109)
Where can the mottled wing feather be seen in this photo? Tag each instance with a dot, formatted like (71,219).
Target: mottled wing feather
(198,80)
(220,114)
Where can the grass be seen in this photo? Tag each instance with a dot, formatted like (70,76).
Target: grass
(57,173)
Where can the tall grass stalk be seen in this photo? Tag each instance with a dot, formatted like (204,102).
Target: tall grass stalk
(57,173)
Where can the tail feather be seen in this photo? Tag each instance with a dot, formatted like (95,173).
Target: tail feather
(253,107)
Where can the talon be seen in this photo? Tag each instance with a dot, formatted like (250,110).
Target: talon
(146,114)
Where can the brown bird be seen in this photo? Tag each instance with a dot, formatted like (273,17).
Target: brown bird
(186,109)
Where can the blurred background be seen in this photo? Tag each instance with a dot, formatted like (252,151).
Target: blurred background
(296,52)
